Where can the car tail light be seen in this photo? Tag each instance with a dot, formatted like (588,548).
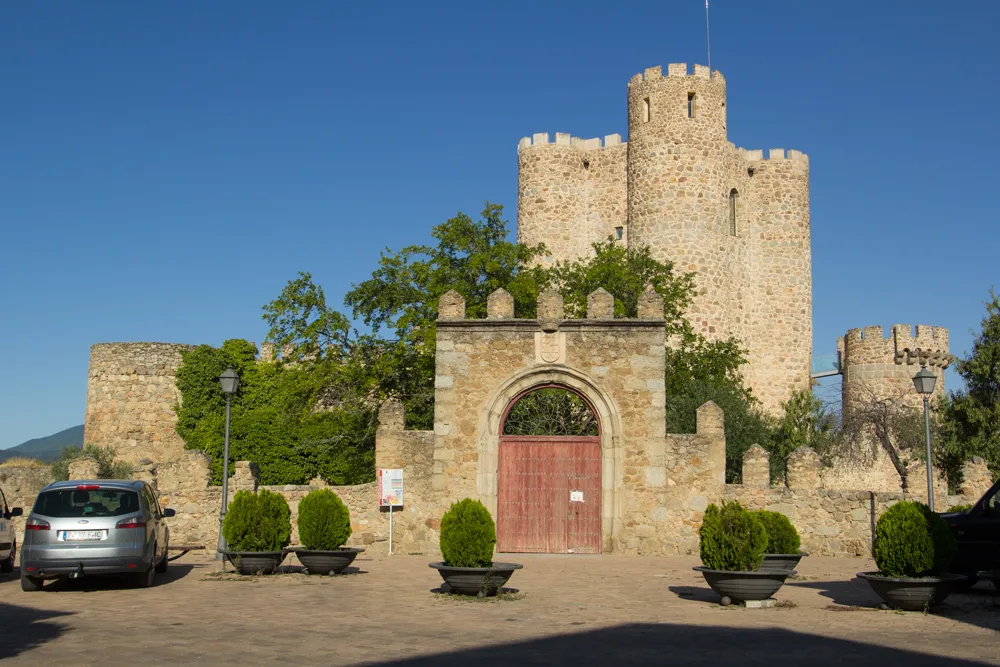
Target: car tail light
(36,524)
(131,522)
(87,487)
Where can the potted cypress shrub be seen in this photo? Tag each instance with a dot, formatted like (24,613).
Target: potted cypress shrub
(732,541)
(468,536)
(783,542)
(913,548)
(324,526)
(257,528)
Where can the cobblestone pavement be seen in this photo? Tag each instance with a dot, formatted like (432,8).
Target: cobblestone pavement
(573,610)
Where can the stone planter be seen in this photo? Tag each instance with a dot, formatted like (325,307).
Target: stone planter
(743,586)
(255,562)
(476,580)
(782,562)
(912,593)
(325,562)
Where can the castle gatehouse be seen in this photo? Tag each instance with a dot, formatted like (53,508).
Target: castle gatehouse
(598,473)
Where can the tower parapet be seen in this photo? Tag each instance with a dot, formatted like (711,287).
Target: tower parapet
(571,193)
(876,366)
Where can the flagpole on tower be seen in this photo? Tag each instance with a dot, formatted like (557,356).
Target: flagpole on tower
(708,39)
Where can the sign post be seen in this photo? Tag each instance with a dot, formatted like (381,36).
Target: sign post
(390,493)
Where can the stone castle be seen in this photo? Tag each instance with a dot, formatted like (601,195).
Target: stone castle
(678,186)
(737,219)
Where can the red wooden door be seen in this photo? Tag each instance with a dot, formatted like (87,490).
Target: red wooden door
(549,496)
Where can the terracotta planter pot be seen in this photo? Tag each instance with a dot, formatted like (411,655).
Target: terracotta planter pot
(476,580)
(325,562)
(912,593)
(743,586)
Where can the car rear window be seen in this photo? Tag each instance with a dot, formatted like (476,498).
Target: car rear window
(70,503)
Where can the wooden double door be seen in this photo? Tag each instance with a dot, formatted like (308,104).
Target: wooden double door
(549,494)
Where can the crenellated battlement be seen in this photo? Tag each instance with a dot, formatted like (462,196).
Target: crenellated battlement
(677,70)
(774,155)
(551,310)
(904,344)
(565,139)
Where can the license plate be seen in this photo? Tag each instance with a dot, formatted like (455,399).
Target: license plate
(83,535)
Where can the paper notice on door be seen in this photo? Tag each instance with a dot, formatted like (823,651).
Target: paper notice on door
(576,496)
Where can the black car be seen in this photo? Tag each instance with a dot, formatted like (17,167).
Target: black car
(978,533)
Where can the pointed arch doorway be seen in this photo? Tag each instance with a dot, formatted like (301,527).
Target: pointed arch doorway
(549,473)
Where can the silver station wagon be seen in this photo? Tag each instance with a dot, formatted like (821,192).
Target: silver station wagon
(79,528)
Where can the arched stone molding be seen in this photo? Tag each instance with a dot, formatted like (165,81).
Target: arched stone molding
(607,413)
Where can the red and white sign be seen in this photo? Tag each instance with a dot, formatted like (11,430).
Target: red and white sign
(390,487)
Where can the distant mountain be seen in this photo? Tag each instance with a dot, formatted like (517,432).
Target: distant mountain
(48,448)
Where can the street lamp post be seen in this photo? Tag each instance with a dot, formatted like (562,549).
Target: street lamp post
(923,381)
(230,382)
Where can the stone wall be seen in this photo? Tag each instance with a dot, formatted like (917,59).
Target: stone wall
(20,485)
(738,220)
(131,393)
(835,522)
(183,485)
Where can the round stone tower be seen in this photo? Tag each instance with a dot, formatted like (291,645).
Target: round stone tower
(571,193)
(876,367)
(736,219)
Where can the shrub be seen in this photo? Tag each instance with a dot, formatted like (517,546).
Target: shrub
(324,521)
(782,538)
(257,522)
(107,467)
(912,541)
(732,538)
(953,508)
(468,535)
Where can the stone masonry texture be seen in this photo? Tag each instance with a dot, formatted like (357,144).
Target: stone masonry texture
(678,186)
(655,486)
(131,393)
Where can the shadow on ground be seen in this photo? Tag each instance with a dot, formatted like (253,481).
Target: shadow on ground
(26,628)
(112,583)
(851,593)
(669,644)
(696,593)
(979,605)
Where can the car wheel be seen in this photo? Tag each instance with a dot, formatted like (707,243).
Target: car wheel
(161,567)
(30,584)
(145,579)
(7,565)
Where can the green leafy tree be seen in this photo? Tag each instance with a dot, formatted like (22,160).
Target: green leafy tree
(970,417)
(294,420)
(472,257)
(352,374)
(804,422)
(301,316)
(745,423)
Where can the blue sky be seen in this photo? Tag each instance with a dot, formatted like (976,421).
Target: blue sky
(167,167)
